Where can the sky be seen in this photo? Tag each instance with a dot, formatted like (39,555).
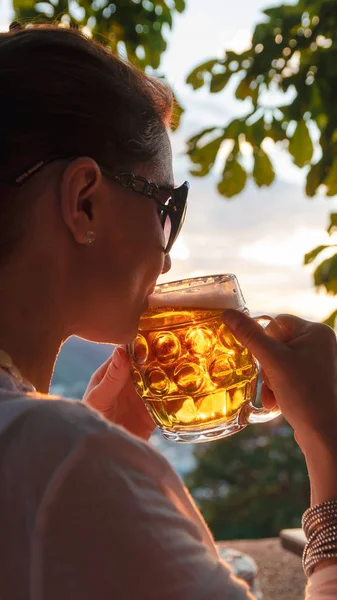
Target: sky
(263,234)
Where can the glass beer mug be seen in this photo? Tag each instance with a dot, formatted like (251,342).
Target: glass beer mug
(196,379)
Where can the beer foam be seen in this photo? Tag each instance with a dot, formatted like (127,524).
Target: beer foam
(190,298)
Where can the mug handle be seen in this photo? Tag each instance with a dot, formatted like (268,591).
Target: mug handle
(251,414)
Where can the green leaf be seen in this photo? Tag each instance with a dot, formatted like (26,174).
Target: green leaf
(276,131)
(192,141)
(256,133)
(138,26)
(234,178)
(178,111)
(197,77)
(326,275)
(300,146)
(314,179)
(219,81)
(260,33)
(331,320)
(244,90)
(263,172)
(180,5)
(331,180)
(234,128)
(205,156)
(310,256)
(333,223)
(21,5)
(334,136)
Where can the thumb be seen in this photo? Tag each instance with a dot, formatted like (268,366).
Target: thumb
(112,382)
(267,350)
(118,370)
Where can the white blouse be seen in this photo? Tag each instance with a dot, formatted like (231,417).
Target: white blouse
(89,512)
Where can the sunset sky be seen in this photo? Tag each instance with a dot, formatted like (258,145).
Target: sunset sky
(261,235)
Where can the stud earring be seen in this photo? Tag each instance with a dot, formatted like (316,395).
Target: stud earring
(90,237)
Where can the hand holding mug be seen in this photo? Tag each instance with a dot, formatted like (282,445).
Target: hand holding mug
(300,373)
(197,380)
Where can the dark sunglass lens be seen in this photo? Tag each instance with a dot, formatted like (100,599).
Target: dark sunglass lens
(173,224)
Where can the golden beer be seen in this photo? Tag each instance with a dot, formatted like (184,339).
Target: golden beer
(189,368)
(196,379)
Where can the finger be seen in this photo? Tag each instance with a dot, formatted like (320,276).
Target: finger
(112,383)
(265,379)
(273,328)
(118,371)
(267,397)
(293,326)
(99,374)
(267,350)
(101,371)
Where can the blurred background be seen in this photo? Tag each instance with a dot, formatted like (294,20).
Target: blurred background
(261,198)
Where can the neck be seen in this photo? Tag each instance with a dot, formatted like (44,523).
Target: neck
(31,328)
(33,353)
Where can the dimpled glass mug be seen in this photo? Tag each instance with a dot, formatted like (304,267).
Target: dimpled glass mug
(197,381)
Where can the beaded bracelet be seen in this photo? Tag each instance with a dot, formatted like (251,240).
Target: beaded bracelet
(319,524)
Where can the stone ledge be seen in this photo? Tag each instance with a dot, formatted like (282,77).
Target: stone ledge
(280,572)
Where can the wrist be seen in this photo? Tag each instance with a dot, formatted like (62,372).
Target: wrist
(321,459)
(319,525)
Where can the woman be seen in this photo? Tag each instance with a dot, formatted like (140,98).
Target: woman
(89,214)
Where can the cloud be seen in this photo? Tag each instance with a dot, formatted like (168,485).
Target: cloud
(284,249)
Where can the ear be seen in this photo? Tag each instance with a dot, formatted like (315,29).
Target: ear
(80,180)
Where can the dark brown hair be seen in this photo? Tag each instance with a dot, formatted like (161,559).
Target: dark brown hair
(62,93)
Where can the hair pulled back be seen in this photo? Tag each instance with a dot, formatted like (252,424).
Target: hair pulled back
(62,93)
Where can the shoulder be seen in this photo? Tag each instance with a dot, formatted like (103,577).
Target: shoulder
(39,435)
(52,431)
(60,422)
(35,420)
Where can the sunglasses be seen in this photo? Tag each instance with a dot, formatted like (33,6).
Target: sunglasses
(171,202)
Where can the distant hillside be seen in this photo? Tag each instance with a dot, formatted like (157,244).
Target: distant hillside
(76,363)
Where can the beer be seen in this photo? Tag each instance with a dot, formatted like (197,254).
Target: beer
(192,373)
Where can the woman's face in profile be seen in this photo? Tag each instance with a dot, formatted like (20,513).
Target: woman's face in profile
(127,257)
